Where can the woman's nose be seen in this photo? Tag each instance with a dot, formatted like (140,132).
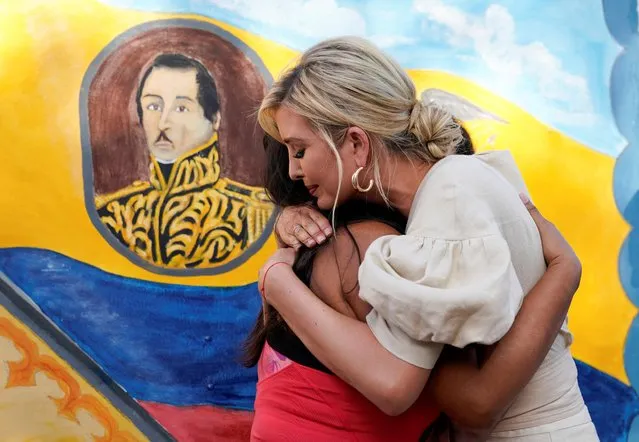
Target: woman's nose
(294,170)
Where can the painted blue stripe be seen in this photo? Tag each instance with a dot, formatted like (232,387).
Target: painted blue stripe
(165,343)
(612,404)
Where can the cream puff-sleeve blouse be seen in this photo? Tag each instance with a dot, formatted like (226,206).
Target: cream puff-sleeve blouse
(458,276)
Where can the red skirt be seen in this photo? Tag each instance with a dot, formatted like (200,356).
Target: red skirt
(297,403)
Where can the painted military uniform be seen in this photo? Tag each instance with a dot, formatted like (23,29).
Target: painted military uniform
(192,219)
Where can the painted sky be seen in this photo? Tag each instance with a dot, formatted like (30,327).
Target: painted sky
(552,58)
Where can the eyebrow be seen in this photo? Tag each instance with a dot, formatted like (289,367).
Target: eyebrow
(179,97)
(293,140)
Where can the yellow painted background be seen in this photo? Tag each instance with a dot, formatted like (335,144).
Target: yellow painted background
(45,50)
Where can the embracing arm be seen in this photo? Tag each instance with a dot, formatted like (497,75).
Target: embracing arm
(477,397)
(342,343)
(474,397)
(348,348)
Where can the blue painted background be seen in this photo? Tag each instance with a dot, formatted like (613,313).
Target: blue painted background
(172,344)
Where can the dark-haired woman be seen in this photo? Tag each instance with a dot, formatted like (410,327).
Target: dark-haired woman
(298,398)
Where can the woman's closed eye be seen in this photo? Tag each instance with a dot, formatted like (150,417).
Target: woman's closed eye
(299,154)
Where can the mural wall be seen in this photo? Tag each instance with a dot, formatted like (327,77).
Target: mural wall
(133,223)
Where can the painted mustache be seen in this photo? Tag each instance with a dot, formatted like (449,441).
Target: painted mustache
(163,137)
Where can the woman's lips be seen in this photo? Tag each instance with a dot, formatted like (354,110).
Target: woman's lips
(312,190)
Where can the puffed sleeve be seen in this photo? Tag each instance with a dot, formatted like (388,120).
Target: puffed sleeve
(427,292)
(449,281)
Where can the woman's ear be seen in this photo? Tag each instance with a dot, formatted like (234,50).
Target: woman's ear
(359,145)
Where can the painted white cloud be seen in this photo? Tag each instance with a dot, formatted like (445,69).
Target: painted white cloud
(492,36)
(310,18)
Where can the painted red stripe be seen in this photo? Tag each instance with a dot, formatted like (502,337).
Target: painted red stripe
(202,422)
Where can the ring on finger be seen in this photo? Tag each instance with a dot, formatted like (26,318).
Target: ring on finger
(297,228)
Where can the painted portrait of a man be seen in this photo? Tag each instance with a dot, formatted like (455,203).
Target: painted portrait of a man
(183,211)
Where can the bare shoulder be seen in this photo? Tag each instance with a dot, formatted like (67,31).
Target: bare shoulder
(336,266)
(365,232)
(351,242)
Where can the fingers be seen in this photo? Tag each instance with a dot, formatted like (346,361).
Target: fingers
(555,247)
(321,222)
(302,234)
(290,240)
(315,226)
(529,204)
(534,212)
(302,225)
(314,230)
(285,239)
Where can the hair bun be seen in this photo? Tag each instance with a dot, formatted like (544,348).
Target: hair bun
(414,114)
(435,128)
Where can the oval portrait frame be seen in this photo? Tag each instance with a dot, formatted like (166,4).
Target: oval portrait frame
(87,148)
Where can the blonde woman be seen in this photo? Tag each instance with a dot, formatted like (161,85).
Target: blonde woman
(470,262)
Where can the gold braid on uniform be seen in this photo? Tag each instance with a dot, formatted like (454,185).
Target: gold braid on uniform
(195,219)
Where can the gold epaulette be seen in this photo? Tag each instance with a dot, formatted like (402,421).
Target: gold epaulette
(259,207)
(249,194)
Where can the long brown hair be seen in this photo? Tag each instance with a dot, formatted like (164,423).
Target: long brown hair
(285,192)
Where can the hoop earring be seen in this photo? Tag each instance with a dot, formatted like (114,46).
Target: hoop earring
(355,182)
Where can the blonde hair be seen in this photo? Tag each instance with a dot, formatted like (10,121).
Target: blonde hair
(348,81)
